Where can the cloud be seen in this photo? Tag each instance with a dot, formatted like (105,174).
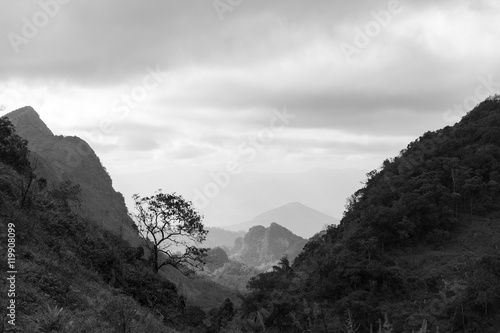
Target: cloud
(95,42)
(188,151)
(227,77)
(139,143)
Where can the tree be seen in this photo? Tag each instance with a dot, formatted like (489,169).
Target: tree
(168,224)
(234,275)
(14,152)
(221,318)
(29,177)
(216,258)
(13,149)
(472,186)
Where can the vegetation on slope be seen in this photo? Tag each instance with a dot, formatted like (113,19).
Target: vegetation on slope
(74,275)
(418,246)
(418,242)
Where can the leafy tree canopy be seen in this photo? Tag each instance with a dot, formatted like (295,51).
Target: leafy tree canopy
(13,149)
(169,225)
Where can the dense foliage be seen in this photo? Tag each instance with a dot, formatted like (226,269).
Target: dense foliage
(13,148)
(417,249)
(427,202)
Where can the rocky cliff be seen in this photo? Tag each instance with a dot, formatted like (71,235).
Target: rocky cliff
(262,247)
(61,158)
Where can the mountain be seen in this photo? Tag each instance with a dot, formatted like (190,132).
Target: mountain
(63,158)
(80,264)
(417,249)
(67,273)
(248,193)
(262,247)
(296,217)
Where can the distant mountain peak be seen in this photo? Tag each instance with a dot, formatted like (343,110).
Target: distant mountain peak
(295,216)
(28,123)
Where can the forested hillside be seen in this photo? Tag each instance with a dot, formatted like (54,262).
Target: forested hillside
(416,250)
(73,275)
(418,245)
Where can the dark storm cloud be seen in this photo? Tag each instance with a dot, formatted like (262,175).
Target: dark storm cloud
(95,41)
(228,76)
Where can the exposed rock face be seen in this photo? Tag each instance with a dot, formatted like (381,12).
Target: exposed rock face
(63,158)
(238,244)
(29,125)
(262,247)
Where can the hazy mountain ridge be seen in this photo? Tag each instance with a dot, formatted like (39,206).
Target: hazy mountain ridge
(80,261)
(250,193)
(418,242)
(71,158)
(296,217)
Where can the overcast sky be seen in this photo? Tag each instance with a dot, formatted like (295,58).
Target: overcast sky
(162,83)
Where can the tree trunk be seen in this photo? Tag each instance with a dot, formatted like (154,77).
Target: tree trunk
(25,192)
(155,260)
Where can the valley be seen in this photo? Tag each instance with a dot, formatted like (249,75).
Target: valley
(417,245)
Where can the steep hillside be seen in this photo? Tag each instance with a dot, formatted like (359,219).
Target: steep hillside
(263,247)
(296,217)
(70,158)
(66,273)
(73,214)
(418,244)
